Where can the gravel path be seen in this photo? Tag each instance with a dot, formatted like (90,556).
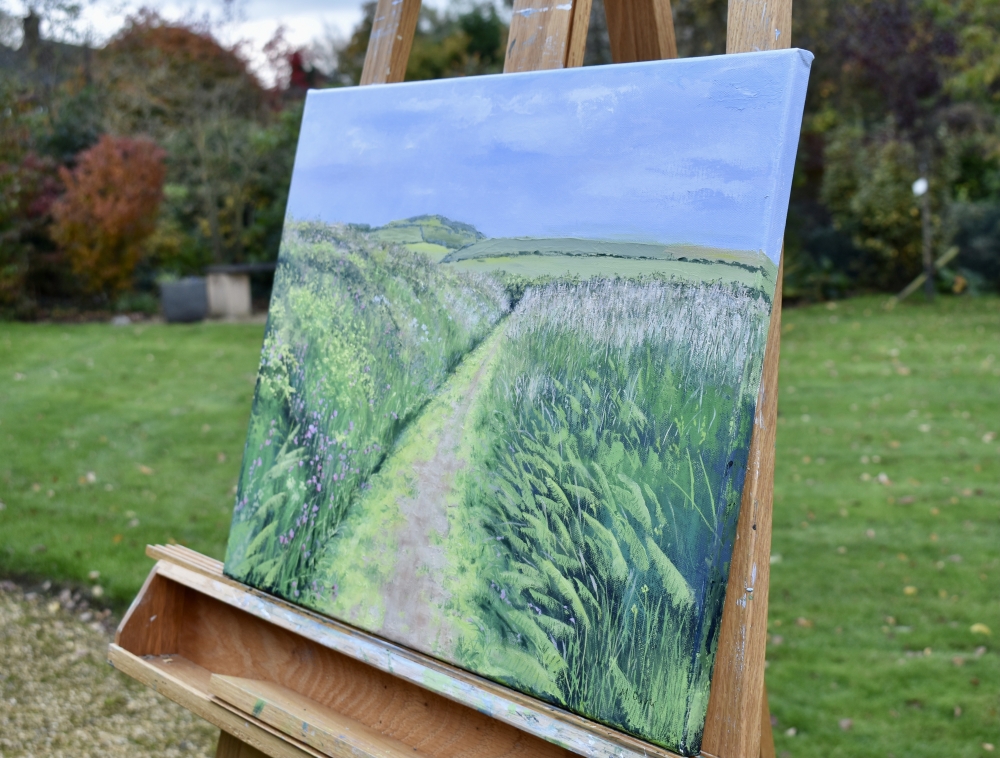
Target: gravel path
(59,697)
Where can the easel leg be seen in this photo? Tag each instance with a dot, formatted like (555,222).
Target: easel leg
(230,747)
(766,735)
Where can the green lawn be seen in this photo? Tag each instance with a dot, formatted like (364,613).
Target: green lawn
(888,479)
(879,582)
(115,437)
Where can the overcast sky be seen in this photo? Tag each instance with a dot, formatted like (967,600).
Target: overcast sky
(253,20)
(699,150)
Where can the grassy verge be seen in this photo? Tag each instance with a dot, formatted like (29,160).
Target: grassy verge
(875,671)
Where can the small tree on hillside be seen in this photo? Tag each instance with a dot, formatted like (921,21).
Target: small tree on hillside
(109,209)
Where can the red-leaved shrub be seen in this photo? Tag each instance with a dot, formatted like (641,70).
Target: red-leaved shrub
(109,209)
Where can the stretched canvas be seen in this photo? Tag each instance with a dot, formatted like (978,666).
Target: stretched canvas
(510,368)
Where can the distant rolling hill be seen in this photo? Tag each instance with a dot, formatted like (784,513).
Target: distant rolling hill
(434,236)
(462,245)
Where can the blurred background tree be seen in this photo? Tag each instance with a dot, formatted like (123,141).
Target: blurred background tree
(108,211)
(899,88)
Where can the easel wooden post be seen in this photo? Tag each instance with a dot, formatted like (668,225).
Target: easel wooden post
(284,682)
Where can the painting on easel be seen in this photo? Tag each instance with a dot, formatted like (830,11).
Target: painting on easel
(510,369)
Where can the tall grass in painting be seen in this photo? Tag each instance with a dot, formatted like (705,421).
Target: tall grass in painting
(614,437)
(360,334)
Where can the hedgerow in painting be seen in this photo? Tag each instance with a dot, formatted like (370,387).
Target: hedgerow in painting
(358,338)
(509,376)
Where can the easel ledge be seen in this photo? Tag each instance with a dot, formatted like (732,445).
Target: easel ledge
(190,622)
(285,682)
(191,629)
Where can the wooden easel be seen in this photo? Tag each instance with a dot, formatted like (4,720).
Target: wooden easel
(285,682)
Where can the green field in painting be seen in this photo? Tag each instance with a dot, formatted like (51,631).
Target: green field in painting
(497,247)
(581,258)
(521,475)
(531,266)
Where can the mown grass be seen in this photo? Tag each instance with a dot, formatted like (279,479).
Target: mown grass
(51,427)
(115,437)
(911,394)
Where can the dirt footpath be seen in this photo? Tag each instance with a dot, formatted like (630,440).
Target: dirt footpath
(59,697)
(414,597)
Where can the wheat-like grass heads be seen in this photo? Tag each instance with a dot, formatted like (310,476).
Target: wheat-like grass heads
(616,418)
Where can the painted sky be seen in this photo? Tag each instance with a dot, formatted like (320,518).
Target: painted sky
(698,150)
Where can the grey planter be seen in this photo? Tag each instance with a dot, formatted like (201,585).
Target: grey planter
(184,300)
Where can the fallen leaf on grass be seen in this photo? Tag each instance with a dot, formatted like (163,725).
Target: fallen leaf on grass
(117,539)
(980,628)
(909,590)
(803,622)
(145,470)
